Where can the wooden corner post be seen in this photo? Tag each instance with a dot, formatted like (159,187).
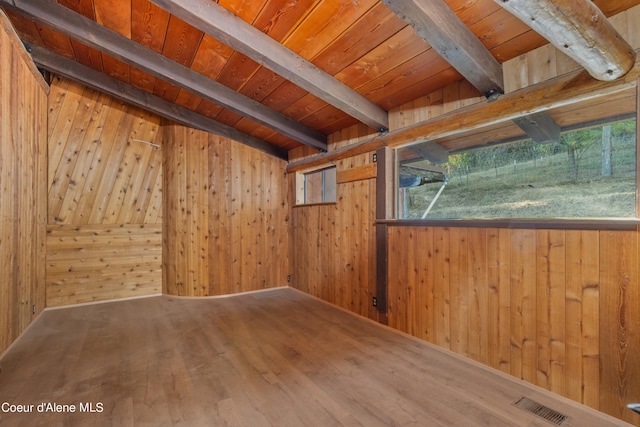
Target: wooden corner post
(384,210)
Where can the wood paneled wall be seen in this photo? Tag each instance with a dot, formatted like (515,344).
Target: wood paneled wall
(557,308)
(333,244)
(105,198)
(226,216)
(23,198)
(435,104)
(100,262)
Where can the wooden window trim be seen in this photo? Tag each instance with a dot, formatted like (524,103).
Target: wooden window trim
(630,224)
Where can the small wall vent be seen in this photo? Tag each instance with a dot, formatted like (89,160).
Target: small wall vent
(539,410)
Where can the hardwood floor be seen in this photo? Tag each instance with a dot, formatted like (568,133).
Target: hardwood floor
(277,358)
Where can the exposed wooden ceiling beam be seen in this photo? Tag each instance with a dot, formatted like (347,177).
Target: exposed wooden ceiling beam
(445,32)
(215,20)
(95,35)
(579,29)
(432,152)
(436,23)
(67,68)
(540,127)
(567,89)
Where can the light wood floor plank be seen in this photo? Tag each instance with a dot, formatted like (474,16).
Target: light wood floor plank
(274,358)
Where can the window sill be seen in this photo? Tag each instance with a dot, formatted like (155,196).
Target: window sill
(628,224)
(303,205)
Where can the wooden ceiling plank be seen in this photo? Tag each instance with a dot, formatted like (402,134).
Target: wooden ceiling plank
(210,57)
(185,40)
(365,35)
(89,32)
(610,8)
(114,14)
(208,108)
(402,84)
(246,10)
(389,56)
(431,84)
(284,96)
(263,83)
(323,24)
(579,29)
(149,24)
(237,71)
(26,28)
(149,28)
(83,7)
(498,28)
(115,68)
(518,45)
(118,89)
(141,80)
(435,22)
(87,56)
(55,41)
(472,11)
(278,19)
(188,100)
(216,21)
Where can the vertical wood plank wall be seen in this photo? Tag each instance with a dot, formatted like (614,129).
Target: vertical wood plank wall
(557,308)
(333,244)
(104,233)
(23,150)
(226,216)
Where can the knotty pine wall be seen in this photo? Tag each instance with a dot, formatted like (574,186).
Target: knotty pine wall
(557,308)
(333,244)
(23,150)
(226,216)
(104,232)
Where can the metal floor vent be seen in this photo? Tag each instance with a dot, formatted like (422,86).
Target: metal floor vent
(538,409)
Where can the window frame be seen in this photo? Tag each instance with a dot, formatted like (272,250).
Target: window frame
(301,179)
(613,223)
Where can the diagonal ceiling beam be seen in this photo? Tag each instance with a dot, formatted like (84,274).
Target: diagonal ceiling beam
(579,29)
(436,23)
(101,38)
(132,95)
(215,20)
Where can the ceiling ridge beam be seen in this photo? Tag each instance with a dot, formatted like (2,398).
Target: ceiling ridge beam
(580,30)
(438,25)
(62,66)
(103,39)
(218,22)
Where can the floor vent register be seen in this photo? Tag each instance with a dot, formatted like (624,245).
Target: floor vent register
(541,411)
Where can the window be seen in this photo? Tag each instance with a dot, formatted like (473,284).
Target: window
(318,186)
(587,171)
